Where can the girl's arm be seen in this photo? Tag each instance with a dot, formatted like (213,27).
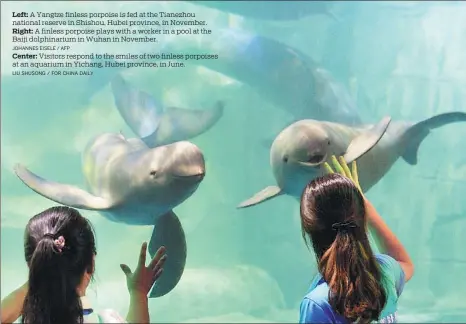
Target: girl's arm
(389,242)
(138,311)
(12,304)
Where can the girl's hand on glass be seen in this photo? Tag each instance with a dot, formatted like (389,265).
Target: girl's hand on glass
(143,278)
(342,168)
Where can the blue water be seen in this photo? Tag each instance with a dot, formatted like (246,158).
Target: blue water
(352,62)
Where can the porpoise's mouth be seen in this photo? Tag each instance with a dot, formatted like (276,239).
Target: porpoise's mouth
(314,161)
(197,176)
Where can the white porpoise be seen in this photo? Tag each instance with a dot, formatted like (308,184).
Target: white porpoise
(139,181)
(132,184)
(298,153)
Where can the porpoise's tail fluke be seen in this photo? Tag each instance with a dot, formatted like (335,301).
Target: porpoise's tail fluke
(155,124)
(181,124)
(418,132)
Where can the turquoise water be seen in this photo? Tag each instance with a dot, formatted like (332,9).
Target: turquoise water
(403,59)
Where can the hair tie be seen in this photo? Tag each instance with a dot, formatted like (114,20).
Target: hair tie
(48,235)
(58,242)
(343,226)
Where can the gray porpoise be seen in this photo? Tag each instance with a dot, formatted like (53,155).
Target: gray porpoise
(298,153)
(132,184)
(282,75)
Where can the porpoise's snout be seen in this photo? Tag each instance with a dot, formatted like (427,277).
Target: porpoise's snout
(189,161)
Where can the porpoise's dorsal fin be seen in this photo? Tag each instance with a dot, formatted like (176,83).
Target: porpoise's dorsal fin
(64,194)
(263,195)
(364,142)
(414,135)
(169,233)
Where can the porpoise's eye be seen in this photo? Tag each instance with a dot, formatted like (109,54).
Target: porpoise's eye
(285,159)
(316,158)
(153,173)
(328,142)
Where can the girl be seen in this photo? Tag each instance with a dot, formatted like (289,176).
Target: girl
(353,284)
(59,248)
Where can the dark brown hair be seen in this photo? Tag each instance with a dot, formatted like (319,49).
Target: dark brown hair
(54,275)
(333,218)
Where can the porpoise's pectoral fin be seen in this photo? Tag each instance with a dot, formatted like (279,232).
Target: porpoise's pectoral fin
(263,195)
(64,194)
(169,233)
(414,135)
(179,124)
(141,111)
(363,143)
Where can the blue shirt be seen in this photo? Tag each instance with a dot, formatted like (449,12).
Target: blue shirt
(315,307)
